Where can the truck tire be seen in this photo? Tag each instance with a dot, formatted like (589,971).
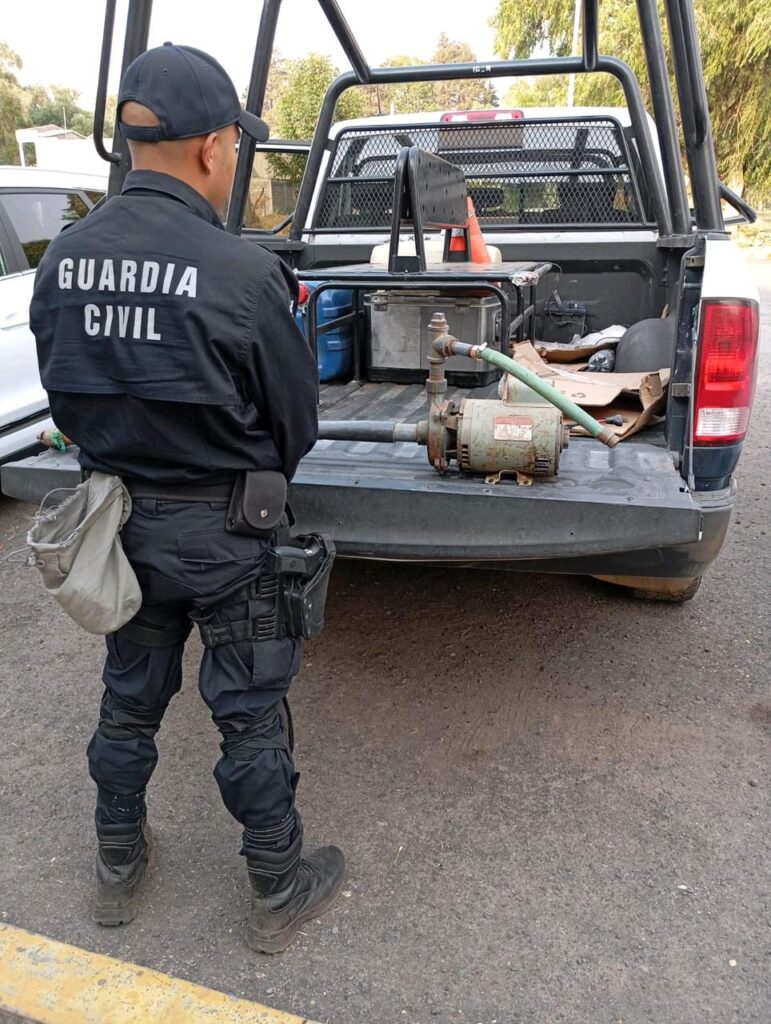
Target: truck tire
(684,593)
(675,590)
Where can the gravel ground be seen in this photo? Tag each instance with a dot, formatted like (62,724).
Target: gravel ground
(559,814)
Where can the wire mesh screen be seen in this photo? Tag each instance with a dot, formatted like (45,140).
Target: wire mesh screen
(532,172)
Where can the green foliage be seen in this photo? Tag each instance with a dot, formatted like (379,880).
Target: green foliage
(464,93)
(52,104)
(278,77)
(735,38)
(11,104)
(58,104)
(402,99)
(297,108)
(38,105)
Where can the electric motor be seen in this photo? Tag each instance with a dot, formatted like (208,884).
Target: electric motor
(509,437)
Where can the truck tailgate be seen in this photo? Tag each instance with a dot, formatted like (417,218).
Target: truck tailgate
(385,501)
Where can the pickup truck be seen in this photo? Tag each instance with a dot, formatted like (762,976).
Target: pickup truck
(650,513)
(597,195)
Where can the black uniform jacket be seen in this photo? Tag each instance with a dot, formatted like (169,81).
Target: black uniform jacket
(168,347)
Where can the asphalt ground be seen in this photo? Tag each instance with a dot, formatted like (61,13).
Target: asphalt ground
(553,798)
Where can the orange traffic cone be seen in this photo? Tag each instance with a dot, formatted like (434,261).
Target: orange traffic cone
(457,249)
(477,243)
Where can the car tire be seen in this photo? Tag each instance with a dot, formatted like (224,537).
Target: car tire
(677,595)
(675,589)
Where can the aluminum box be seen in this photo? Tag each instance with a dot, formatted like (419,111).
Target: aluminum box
(399,341)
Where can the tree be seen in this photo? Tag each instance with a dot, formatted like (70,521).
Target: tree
(278,76)
(403,99)
(298,107)
(735,38)
(58,104)
(413,97)
(463,93)
(11,104)
(54,104)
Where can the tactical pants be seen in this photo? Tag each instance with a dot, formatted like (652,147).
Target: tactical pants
(186,562)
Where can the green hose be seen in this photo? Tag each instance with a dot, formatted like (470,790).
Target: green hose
(546,390)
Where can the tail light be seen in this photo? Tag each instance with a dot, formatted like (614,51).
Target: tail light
(725,370)
(302,298)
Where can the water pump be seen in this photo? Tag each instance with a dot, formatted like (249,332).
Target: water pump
(522,432)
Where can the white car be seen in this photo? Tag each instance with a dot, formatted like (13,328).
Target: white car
(35,204)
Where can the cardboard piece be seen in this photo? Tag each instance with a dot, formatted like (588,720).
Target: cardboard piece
(581,348)
(639,398)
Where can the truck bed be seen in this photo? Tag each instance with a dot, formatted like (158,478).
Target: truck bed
(384,500)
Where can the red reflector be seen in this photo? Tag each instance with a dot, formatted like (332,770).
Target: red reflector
(457,116)
(303,296)
(725,371)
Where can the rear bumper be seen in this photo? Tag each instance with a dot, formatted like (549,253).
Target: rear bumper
(621,511)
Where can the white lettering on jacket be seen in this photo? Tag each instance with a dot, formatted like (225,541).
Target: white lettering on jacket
(65,272)
(188,283)
(136,321)
(127,276)
(107,277)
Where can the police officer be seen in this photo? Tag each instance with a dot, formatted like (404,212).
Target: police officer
(171,357)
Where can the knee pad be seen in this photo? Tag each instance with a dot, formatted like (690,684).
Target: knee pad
(116,721)
(244,738)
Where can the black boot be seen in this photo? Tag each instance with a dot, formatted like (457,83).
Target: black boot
(121,861)
(288,890)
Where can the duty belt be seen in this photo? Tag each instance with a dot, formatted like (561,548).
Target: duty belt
(179,492)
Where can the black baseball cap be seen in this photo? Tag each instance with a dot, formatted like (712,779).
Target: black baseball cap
(189,92)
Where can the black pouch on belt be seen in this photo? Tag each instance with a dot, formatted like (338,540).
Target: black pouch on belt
(257,504)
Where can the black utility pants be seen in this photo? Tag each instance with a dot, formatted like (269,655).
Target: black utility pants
(186,562)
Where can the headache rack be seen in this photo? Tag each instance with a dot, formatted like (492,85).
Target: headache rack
(664,201)
(575,172)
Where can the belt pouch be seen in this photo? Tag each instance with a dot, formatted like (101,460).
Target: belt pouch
(257,503)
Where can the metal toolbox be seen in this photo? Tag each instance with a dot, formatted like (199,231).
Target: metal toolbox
(399,342)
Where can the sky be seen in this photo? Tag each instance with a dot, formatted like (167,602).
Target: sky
(60,42)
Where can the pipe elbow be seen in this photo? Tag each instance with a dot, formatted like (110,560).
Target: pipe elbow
(444,345)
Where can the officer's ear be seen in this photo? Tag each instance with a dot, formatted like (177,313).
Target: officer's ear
(207,153)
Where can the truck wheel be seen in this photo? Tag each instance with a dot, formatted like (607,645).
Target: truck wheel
(676,590)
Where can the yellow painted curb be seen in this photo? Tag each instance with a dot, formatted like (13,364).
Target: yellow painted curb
(53,983)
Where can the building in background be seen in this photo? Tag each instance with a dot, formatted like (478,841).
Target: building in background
(59,149)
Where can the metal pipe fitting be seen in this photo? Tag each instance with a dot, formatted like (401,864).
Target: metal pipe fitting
(383,431)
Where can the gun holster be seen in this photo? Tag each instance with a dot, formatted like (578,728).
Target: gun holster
(303,569)
(289,596)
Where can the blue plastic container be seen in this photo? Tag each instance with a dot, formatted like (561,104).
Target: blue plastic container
(335,347)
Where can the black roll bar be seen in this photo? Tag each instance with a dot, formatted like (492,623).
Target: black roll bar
(137,30)
(688,74)
(689,77)
(101,89)
(495,69)
(741,206)
(664,115)
(346,39)
(591,32)
(695,72)
(255,97)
